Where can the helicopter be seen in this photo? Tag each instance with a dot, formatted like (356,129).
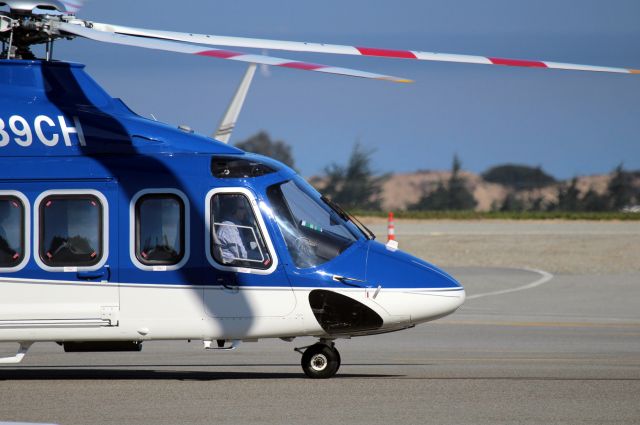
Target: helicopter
(116,229)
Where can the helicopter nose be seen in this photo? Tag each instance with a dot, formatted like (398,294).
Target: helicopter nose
(411,288)
(418,305)
(426,304)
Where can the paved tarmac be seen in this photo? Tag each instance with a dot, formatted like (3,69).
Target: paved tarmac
(595,247)
(526,348)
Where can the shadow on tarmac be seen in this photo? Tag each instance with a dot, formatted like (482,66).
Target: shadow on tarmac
(107,373)
(143,375)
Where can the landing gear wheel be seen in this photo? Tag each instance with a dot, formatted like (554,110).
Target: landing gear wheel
(335,350)
(320,361)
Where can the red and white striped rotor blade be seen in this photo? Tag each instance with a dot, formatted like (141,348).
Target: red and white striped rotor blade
(72,6)
(297,46)
(173,46)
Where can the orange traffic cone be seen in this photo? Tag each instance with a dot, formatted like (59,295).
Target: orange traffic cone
(391,229)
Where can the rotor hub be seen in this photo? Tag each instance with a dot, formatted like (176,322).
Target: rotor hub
(26,7)
(29,22)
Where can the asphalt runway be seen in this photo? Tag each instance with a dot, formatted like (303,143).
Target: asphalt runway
(527,348)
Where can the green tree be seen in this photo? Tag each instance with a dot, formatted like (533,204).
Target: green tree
(592,201)
(536,204)
(354,186)
(460,197)
(620,189)
(512,203)
(568,197)
(452,196)
(518,177)
(438,200)
(262,144)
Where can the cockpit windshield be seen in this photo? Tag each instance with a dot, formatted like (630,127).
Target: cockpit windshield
(313,232)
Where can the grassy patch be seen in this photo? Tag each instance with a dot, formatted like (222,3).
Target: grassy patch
(504,215)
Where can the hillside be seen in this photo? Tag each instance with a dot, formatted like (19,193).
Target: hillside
(403,189)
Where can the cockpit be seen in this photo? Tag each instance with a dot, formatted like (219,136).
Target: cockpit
(314,230)
(263,214)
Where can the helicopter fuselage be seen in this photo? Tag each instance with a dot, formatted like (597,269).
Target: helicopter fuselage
(115,227)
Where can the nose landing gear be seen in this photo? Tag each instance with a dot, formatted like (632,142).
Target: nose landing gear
(320,360)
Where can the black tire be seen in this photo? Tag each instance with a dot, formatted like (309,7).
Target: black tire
(339,359)
(320,361)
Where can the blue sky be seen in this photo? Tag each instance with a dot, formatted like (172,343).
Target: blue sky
(567,122)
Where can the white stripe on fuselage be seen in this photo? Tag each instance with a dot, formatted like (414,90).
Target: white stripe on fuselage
(419,291)
(181,312)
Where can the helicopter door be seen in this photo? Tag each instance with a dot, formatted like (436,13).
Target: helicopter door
(246,279)
(68,235)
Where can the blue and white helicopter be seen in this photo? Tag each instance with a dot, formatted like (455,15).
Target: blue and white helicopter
(116,229)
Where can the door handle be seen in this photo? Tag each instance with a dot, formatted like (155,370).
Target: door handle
(100,274)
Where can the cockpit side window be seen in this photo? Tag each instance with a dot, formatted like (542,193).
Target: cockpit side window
(12,229)
(313,233)
(236,239)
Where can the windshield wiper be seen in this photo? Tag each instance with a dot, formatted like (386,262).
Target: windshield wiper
(349,217)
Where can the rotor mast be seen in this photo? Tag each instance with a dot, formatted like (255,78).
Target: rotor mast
(30,22)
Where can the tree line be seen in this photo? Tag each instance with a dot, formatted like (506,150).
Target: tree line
(355,185)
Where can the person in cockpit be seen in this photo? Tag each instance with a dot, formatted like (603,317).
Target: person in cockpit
(235,214)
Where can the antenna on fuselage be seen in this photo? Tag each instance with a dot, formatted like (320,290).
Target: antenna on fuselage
(230,118)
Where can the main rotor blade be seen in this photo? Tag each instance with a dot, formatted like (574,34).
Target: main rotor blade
(73,6)
(297,46)
(172,46)
(228,123)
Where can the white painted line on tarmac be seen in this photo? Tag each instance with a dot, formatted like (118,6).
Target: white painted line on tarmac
(22,423)
(546,277)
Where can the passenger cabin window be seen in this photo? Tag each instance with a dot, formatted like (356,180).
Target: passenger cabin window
(12,228)
(236,239)
(71,230)
(160,229)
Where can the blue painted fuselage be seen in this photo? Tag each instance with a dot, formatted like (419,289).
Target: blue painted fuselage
(60,133)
